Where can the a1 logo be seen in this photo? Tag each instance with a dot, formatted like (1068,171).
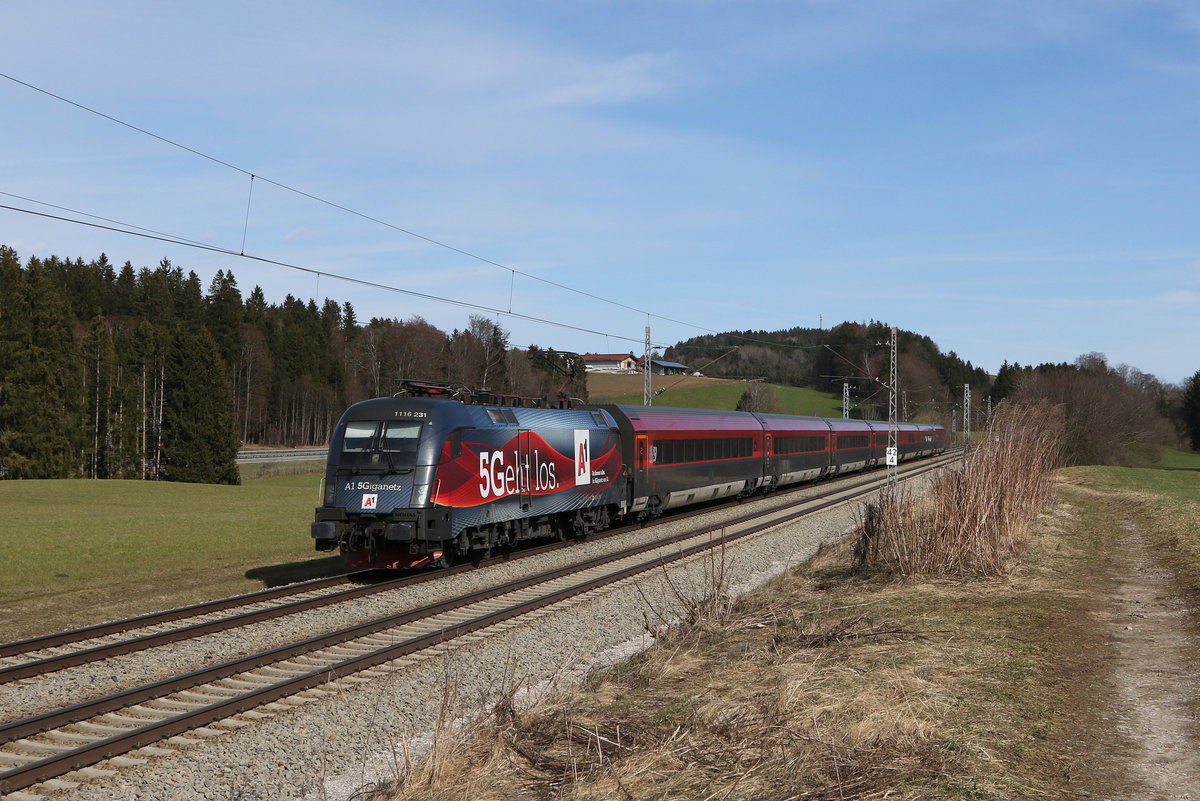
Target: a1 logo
(583,457)
(370,501)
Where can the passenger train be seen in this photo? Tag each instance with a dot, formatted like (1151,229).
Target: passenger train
(418,481)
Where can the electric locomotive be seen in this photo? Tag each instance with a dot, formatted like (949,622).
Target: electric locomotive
(413,481)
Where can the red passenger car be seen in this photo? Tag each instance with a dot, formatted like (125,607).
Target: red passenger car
(682,456)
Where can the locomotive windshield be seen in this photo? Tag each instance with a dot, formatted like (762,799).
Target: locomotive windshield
(365,441)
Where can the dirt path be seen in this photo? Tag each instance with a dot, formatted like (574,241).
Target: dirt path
(1153,693)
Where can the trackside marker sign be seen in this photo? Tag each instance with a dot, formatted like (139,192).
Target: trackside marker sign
(583,457)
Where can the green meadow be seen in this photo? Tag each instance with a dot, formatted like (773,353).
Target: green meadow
(80,551)
(1175,459)
(792,400)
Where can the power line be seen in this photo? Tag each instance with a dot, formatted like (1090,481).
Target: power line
(168,237)
(408,232)
(345,209)
(331,204)
(146,234)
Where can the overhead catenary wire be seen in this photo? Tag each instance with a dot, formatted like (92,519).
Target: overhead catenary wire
(150,233)
(338,206)
(160,237)
(332,204)
(168,237)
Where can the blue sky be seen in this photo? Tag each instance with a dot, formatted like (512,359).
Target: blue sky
(1016,180)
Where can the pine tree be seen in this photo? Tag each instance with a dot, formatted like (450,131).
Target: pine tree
(256,306)
(1190,409)
(1006,381)
(12,335)
(349,322)
(224,313)
(41,390)
(125,291)
(199,436)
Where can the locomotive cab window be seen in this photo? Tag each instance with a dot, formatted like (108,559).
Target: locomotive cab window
(399,437)
(358,436)
(382,444)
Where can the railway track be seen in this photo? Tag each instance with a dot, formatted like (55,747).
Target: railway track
(56,651)
(224,697)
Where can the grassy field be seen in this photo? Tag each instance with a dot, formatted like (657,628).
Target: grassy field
(79,551)
(825,685)
(706,393)
(1164,502)
(831,684)
(1175,459)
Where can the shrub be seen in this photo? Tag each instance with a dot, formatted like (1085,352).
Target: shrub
(973,519)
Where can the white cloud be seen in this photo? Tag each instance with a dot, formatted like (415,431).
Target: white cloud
(1178,297)
(633,77)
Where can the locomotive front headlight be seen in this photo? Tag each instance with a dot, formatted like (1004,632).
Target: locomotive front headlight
(330,493)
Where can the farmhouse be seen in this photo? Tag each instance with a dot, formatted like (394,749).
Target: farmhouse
(611,362)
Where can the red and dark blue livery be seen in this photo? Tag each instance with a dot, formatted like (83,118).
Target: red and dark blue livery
(417,481)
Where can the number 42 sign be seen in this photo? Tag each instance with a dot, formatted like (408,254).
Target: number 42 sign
(892,457)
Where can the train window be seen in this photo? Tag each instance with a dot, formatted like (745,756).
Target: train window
(358,436)
(502,416)
(682,451)
(805,444)
(400,437)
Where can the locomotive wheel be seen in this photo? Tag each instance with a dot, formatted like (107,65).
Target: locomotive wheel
(580,525)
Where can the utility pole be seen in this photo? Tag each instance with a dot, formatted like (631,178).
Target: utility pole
(647,396)
(845,400)
(967,415)
(893,459)
(989,414)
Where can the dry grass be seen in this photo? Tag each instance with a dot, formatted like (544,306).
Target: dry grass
(832,684)
(764,724)
(972,521)
(835,684)
(829,687)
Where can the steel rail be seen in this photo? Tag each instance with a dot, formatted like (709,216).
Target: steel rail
(49,720)
(57,765)
(153,618)
(61,661)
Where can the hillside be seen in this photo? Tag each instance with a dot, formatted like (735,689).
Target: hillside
(849,353)
(706,393)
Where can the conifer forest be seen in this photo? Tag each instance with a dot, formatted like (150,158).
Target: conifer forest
(117,372)
(140,373)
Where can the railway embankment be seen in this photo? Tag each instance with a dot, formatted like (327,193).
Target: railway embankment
(1071,675)
(350,717)
(1067,674)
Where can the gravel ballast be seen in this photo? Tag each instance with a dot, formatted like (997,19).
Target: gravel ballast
(355,732)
